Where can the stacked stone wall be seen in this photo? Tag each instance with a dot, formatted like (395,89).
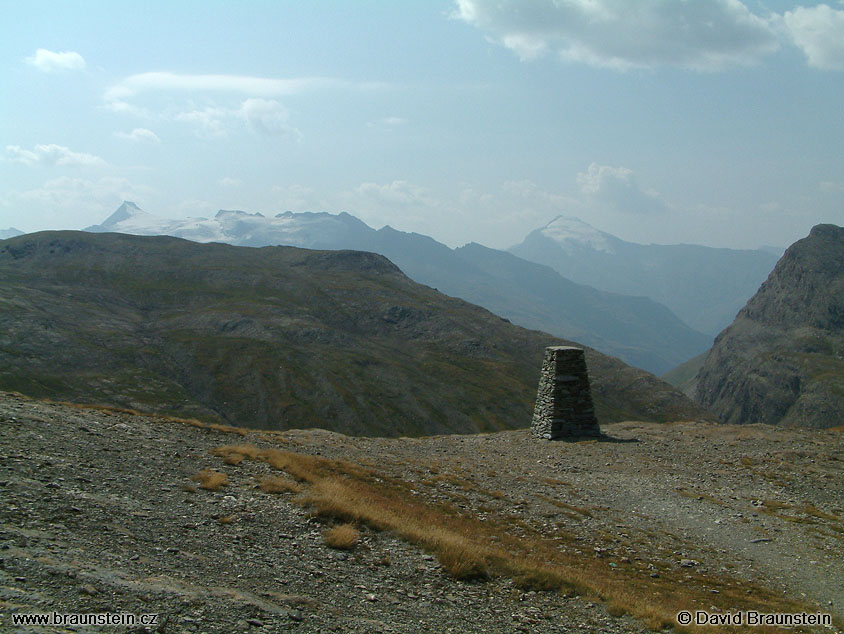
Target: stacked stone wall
(564,407)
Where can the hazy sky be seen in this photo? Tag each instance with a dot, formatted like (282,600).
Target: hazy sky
(709,121)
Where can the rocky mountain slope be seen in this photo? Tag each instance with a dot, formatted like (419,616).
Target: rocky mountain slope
(276,337)
(104,511)
(703,286)
(639,331)
(782,360)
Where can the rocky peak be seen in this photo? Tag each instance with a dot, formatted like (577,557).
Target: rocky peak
(782,359)
(806,288)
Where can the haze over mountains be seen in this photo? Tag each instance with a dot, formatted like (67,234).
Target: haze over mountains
(277,337)
(703,286)
(11,232)
(637,329)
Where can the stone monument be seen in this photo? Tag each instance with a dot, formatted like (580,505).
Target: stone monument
(564,406)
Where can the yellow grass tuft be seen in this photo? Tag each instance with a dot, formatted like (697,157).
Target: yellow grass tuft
(210,479)
(342,537)
(276,484)
(227,429)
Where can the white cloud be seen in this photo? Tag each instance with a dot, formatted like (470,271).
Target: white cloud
(139,135)
(819,33)
(72,203)
(267,116)
(242,84)
(620,34)
(616,187)
(124,107)
(52,155)
(397,193)
(264,116)
(209,123)
(49,62)
(228,181)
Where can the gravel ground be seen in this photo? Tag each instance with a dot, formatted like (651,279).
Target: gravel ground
(99,514)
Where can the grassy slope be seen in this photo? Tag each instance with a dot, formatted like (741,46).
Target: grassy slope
(684,376)
(275,337)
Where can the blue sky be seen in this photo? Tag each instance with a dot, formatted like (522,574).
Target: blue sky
(709,121)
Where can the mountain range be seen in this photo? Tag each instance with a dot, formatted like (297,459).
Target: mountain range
(703,286)
(781,361)
(277,337)
(636,329)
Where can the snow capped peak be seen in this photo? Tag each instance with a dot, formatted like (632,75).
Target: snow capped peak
(129,218)
(124,212)
(569,231)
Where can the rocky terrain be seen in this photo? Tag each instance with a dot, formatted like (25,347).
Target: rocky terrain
(105,511)
(782,360)
(276,337)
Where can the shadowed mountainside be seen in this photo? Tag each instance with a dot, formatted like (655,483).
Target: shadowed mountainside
(276,337)
(782,360)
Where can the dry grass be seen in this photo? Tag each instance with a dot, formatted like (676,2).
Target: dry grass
(210,479)
(342,537)
(277,484)
(574,511)
(227,429)
(468,548)
(302,467)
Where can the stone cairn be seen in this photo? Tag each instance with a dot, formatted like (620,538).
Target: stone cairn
(563,401)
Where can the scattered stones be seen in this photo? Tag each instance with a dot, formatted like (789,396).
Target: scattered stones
(279,572)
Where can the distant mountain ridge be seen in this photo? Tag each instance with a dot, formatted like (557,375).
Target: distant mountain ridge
(11,232)
(637,330)
(277,337)
(307,230)
(704,286)
(781,361)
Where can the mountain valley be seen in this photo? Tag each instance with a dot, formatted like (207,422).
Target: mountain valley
(703,286)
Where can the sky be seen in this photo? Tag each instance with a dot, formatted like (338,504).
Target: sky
(714,122)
